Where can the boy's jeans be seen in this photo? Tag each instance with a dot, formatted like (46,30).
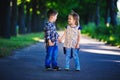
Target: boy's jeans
(75,56)
(51,56)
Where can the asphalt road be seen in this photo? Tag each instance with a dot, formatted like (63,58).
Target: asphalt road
(98,62)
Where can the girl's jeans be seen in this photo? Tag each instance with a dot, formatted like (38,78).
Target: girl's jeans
(75,56)
(51,56)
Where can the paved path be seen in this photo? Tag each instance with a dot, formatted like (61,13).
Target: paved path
(98,62)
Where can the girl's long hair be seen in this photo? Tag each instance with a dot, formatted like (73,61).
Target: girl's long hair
(76,17)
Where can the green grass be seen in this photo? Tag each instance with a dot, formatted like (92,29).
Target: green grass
(8,45)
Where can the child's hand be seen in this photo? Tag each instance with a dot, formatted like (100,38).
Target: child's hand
(50,43)
(59,40)
(77,46)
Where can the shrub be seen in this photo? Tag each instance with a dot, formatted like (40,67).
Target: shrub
(110,34)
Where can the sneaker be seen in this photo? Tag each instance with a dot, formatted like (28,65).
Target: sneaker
(57,68)
(47,68)
(77,70)
(66,69)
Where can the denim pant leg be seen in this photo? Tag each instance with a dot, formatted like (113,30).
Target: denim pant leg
(68,53)
(48,56)
(76,58)
(54,56)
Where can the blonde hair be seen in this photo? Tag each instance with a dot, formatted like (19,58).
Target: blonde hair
(75,17)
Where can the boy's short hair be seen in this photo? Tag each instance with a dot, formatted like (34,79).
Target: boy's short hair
(51,12)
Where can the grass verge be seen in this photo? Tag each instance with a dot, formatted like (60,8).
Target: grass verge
(8,45)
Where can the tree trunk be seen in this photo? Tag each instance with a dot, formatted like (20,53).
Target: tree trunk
(43,14)
(111,12)
(97,18)
(28,17)
(34,16)
(14,18)
(107,14)
(5,18)
(21,18)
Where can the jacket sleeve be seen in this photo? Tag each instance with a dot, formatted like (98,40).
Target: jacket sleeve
(47,32)
(57,35)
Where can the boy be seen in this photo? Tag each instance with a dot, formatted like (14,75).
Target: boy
(51,40)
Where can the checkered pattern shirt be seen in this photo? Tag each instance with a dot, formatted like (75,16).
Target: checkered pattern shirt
(50,32)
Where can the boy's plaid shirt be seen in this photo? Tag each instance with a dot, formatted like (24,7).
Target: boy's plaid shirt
(50,32)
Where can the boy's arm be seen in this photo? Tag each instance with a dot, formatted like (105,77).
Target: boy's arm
(48,31)
(50,43)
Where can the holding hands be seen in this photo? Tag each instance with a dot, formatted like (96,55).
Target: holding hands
(60,40)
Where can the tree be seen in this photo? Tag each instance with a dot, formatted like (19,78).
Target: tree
(5,18)
(43,9)
(35,23)
(111,11)
(14,18)
(97,17)
(21,18)
(88,10)
(64,9)
(28,16)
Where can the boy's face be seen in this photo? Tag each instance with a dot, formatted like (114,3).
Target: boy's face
(54,17)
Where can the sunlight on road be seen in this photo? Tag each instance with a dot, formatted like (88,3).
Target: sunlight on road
(94,46)
(38,39)
(117,61)
(101,51)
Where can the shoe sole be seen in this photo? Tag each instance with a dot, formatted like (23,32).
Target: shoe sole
(57,69)
(77,70)
(49,69)
(66,69)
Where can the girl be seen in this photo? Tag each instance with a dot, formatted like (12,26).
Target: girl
(72,39)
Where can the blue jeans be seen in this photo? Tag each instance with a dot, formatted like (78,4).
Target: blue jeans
(75,56)
(51,56)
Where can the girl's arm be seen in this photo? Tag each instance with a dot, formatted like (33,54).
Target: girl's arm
(63,36)
(78,39)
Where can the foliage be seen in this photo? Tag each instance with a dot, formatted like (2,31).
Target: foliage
(6,46)
(109,34)
(89,29)
(63,8)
